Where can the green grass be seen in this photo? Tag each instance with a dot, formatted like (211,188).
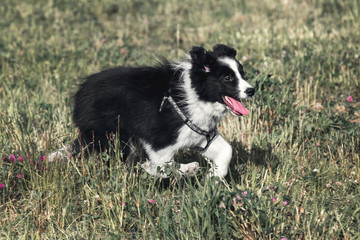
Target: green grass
(297,154)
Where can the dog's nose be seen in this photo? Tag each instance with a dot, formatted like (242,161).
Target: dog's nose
(250,91)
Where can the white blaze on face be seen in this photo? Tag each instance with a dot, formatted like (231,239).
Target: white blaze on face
(243,85)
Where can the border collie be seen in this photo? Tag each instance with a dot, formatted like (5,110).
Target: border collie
(164,108)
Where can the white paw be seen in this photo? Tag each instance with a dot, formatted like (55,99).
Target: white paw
(189,169)
(55,156)
(154,170)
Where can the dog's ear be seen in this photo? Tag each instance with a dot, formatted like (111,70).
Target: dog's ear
(222,50)
(198,55)
(202,58)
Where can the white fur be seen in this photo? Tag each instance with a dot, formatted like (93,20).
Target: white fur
(243,85)
(165,157)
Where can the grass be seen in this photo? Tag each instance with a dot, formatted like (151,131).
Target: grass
(296,167)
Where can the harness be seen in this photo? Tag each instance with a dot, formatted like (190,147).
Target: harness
(210,135)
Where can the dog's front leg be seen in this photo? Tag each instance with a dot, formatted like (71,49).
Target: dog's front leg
(157,161)
(220,153)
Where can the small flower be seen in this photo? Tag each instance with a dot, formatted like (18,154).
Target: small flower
(20,159)
(221,205)
(285,203)
(349,99)
(268,186)
(273,200)
(124,204)
(234,202)
(69,155)
(12,158)
(5,159)
(38,165)
(103,40)
(328,185)
(43,158)
(151,201)
(19,176)
(2,185)
(283,239)
(244,193)
(28,155)
(239,197)
(124,51)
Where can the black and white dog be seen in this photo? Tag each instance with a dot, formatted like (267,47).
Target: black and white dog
(164,108)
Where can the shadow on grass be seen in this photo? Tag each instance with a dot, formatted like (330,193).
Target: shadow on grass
(242,157)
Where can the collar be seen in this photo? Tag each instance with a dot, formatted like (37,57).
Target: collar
(210,135)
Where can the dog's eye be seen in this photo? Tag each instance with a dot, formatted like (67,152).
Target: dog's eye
(228,79)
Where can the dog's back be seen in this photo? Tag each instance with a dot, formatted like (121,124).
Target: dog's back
(124,100)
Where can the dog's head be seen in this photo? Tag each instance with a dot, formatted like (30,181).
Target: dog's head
(218,77)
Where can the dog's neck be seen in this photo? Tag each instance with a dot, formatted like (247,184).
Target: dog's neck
(204,114)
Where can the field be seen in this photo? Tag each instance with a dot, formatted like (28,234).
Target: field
(295,170)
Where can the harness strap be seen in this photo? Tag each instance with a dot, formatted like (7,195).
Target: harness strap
(210,135)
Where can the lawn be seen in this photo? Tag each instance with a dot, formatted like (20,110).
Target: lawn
(295,170)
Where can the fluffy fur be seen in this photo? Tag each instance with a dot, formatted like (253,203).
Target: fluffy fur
(126,100)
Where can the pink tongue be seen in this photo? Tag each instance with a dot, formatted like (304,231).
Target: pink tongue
(236,106)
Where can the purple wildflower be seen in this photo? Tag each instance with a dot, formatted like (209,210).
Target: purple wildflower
(2,185)
(285,203)
(12,158)
(38,165)
(20,159)
(349,99)
(19,175)
(151,201)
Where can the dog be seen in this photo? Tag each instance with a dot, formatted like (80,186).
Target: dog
(163,109)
